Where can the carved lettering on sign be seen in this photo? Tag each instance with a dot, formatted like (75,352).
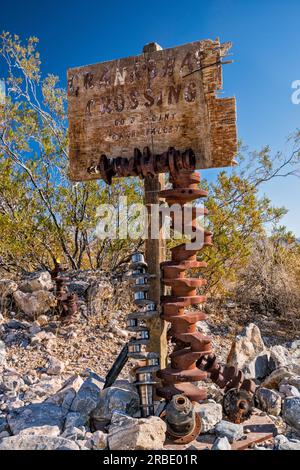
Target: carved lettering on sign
(158,99)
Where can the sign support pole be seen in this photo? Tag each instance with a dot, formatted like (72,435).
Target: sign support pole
(155,253)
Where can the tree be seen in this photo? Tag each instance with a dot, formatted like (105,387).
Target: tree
(42,214)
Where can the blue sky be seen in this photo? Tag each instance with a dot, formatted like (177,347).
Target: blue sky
(265,34)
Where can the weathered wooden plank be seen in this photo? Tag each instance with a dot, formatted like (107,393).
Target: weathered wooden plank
(154,255)
(159,99)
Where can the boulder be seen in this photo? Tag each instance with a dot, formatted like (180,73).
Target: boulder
(40,280)
(280,374)
(36,303)
(258,368)
(281,442)
(246,347)
(40,416)
(79,287)
(88,395)
(74,419)
(210,414)
(294,381)
(232,431)
(221,443)
(27,442)
(65,396)
(55,366)
(126,433)
(291,412)
(268,401)
(122,397)
(288,390)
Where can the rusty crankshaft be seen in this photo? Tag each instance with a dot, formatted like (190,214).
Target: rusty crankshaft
(192,359)
(143,164)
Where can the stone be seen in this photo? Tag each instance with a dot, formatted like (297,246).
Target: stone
(73,433)
(34,329)
(289,390)
(291,412)
(65,396)
(88,395)
(74,419)
(79,287)
(45,430)
(28,442)
(36,303)
(281,442)
(294,381)
(100,440)
(121,397)
(258,368)
(11,382)
(246,347)
(232,431)
(278,375)
(210,414)
(7,287)
(55,366)
(268,401)
(40,280)
(97,294)
(221,443)
(2,353)
(42,337)
(42,320)
(36,415)
(49,385)
(126,433)
(279,356)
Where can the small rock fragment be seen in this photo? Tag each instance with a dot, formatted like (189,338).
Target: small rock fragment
(221,443)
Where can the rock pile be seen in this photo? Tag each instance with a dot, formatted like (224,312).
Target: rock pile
(52,376)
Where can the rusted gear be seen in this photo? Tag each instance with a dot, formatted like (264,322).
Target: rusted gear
(190,344)
(239,391)
(238,405)
(143,164)
(183,423)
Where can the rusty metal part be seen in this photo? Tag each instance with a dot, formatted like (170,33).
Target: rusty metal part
(190,344)
(137,346)
(239,391)
(238,405)
(66,302)
(183,423)
(144,164)
(192,358)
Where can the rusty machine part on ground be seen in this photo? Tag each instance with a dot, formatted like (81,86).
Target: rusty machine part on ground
(192,359)
(183,423)
(66,302)
(137,346)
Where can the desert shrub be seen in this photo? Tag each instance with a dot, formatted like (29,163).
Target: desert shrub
(270,281)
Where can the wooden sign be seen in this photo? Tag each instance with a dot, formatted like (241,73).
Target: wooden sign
(158,99)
